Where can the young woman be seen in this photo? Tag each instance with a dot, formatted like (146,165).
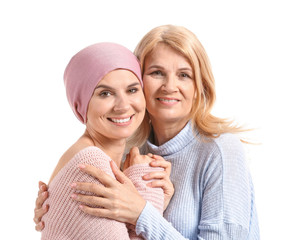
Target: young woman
(104,88)
(214,196)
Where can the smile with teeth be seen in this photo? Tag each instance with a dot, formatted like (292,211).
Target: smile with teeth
(119,120)
(168,100)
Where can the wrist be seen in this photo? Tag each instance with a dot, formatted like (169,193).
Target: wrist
(139,210)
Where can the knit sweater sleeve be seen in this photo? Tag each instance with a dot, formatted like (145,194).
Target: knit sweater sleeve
(153,226)
(227,210)
(153,196)
(64,219)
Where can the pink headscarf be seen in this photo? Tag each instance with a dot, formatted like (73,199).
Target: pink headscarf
(89,66)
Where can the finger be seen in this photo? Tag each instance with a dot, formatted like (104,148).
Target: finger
(160,163)
(98,212)
(40,226)
(150,155)
(117,172)
(163,164)
(94,201)
(165,185)
(42,187)
(104,178)
(155,175)
(95,188)
(41,199)
(39,213)
(134,151)
(158,157)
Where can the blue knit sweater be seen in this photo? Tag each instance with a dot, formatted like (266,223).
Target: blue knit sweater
(214,197)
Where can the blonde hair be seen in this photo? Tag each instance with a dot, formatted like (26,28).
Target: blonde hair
(187,44)
(140,135)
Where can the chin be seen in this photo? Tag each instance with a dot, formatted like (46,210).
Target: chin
(125,134)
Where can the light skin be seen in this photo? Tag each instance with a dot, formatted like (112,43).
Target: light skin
(115,111)
(169,91)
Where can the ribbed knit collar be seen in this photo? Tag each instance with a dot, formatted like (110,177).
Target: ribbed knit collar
(174,145)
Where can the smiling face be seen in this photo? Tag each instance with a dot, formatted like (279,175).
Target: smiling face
(117,106)
(169,86)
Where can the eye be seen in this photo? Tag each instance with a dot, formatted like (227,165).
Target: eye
(184,75)
(157,72)
(105,94)
(132,90)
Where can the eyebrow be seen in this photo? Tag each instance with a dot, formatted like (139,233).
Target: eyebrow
(181,69)
(109,87)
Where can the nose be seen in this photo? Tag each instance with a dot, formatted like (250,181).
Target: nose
(170,84)
(122,103)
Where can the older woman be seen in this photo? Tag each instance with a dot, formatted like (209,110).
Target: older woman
(104,88)
(214,197)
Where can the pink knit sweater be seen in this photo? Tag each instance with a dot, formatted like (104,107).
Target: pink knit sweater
(65,220)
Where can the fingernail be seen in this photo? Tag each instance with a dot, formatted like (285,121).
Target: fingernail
(44,194)
(73,185)
(149,184)
(153,163)
(44,207)
(74,196)
(146,176)
(81,166)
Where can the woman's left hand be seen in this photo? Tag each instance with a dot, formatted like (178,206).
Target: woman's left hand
(115,199)
(161,178)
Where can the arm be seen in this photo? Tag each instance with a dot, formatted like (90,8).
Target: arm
(227,184)
(160,179)
(40,209)
(139,167)
(155,174)
(65,219)
(225,202)
(122,194)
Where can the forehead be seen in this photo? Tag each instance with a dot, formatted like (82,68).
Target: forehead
(165,54)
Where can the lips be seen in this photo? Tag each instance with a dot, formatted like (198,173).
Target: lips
(168,100)
(120,120)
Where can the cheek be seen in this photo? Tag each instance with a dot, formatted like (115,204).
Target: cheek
(150,85)
(149,91)
(96,109)
(190,91)
(139,103)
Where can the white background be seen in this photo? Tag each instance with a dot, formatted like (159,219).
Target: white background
(254,50)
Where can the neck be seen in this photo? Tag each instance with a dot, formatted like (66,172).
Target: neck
(163,132)
(114,148)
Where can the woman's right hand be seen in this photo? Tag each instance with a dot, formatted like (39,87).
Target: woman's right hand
(160,179)
(40,210)
(134,157)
